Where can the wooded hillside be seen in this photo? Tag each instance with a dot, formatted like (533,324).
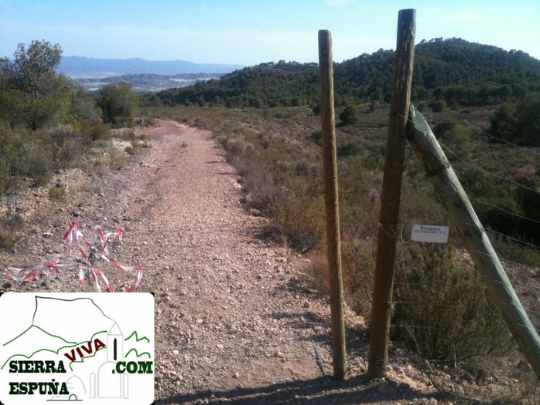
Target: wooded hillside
(451,70)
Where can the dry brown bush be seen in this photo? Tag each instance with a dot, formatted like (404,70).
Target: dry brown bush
(318,272)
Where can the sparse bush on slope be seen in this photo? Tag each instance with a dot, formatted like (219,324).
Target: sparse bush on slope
(444,312)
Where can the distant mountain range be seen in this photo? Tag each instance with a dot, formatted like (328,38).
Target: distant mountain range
(78,67)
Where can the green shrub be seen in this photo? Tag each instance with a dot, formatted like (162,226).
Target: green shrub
(348,149)
(67,146)
(442,127)
(349,116)
(265,140)
(69,155)
(127,134)
(316,137)
(59,134)
(443,312)
(459,140)
(95,132)
(146,121)
(421,107)
(25,153)
(374,105)
(438,106)
(118,104)
(235,146)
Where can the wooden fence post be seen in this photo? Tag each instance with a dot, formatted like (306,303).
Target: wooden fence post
(456,202)
(390,196)
(326,89)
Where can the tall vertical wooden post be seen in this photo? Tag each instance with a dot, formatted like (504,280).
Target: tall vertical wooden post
(390,196)
(326,89)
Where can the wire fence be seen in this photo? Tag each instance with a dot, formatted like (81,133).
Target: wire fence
(519,255)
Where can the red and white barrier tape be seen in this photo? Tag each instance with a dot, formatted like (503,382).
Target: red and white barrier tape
(74,236)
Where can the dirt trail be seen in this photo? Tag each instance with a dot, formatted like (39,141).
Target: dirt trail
(231,313)
(235,323)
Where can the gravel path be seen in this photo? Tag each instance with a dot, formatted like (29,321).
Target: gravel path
(228,315)
(235,322)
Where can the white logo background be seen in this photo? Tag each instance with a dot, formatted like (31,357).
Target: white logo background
(63,327)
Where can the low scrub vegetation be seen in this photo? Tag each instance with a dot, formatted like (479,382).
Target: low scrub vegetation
(442,311)
(49,124)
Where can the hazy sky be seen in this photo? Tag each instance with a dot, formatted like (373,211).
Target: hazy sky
(249,32)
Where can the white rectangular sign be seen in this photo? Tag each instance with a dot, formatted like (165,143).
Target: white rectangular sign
(430,233)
